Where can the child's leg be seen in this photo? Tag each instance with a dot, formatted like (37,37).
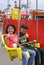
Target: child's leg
(32,56)
(25,58)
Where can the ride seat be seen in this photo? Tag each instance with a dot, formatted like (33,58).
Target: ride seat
(12,52)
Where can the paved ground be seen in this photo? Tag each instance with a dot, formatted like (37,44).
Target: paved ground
(5,60)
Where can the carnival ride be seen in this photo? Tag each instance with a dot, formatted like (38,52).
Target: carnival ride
(33,32)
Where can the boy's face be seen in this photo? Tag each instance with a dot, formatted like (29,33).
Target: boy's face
(23,30)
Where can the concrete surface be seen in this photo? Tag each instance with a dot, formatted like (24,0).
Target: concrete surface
(5,60)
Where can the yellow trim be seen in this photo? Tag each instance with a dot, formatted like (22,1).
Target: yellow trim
(28,54)
(37,45)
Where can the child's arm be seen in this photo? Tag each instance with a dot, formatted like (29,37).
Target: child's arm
(6,38)
(20,38)
(23,37)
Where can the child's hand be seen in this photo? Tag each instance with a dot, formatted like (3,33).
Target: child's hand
(35,41)
(8,36)
(14,45)
(26,35)
(21,46)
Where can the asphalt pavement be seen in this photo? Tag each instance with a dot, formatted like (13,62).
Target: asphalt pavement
(5,60)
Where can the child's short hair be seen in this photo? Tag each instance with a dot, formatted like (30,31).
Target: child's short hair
(24,26)
(11,26)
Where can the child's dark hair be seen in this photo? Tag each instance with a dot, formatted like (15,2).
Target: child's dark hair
(11,26)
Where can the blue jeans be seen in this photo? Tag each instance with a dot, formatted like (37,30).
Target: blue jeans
(32,56)
(26,60)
